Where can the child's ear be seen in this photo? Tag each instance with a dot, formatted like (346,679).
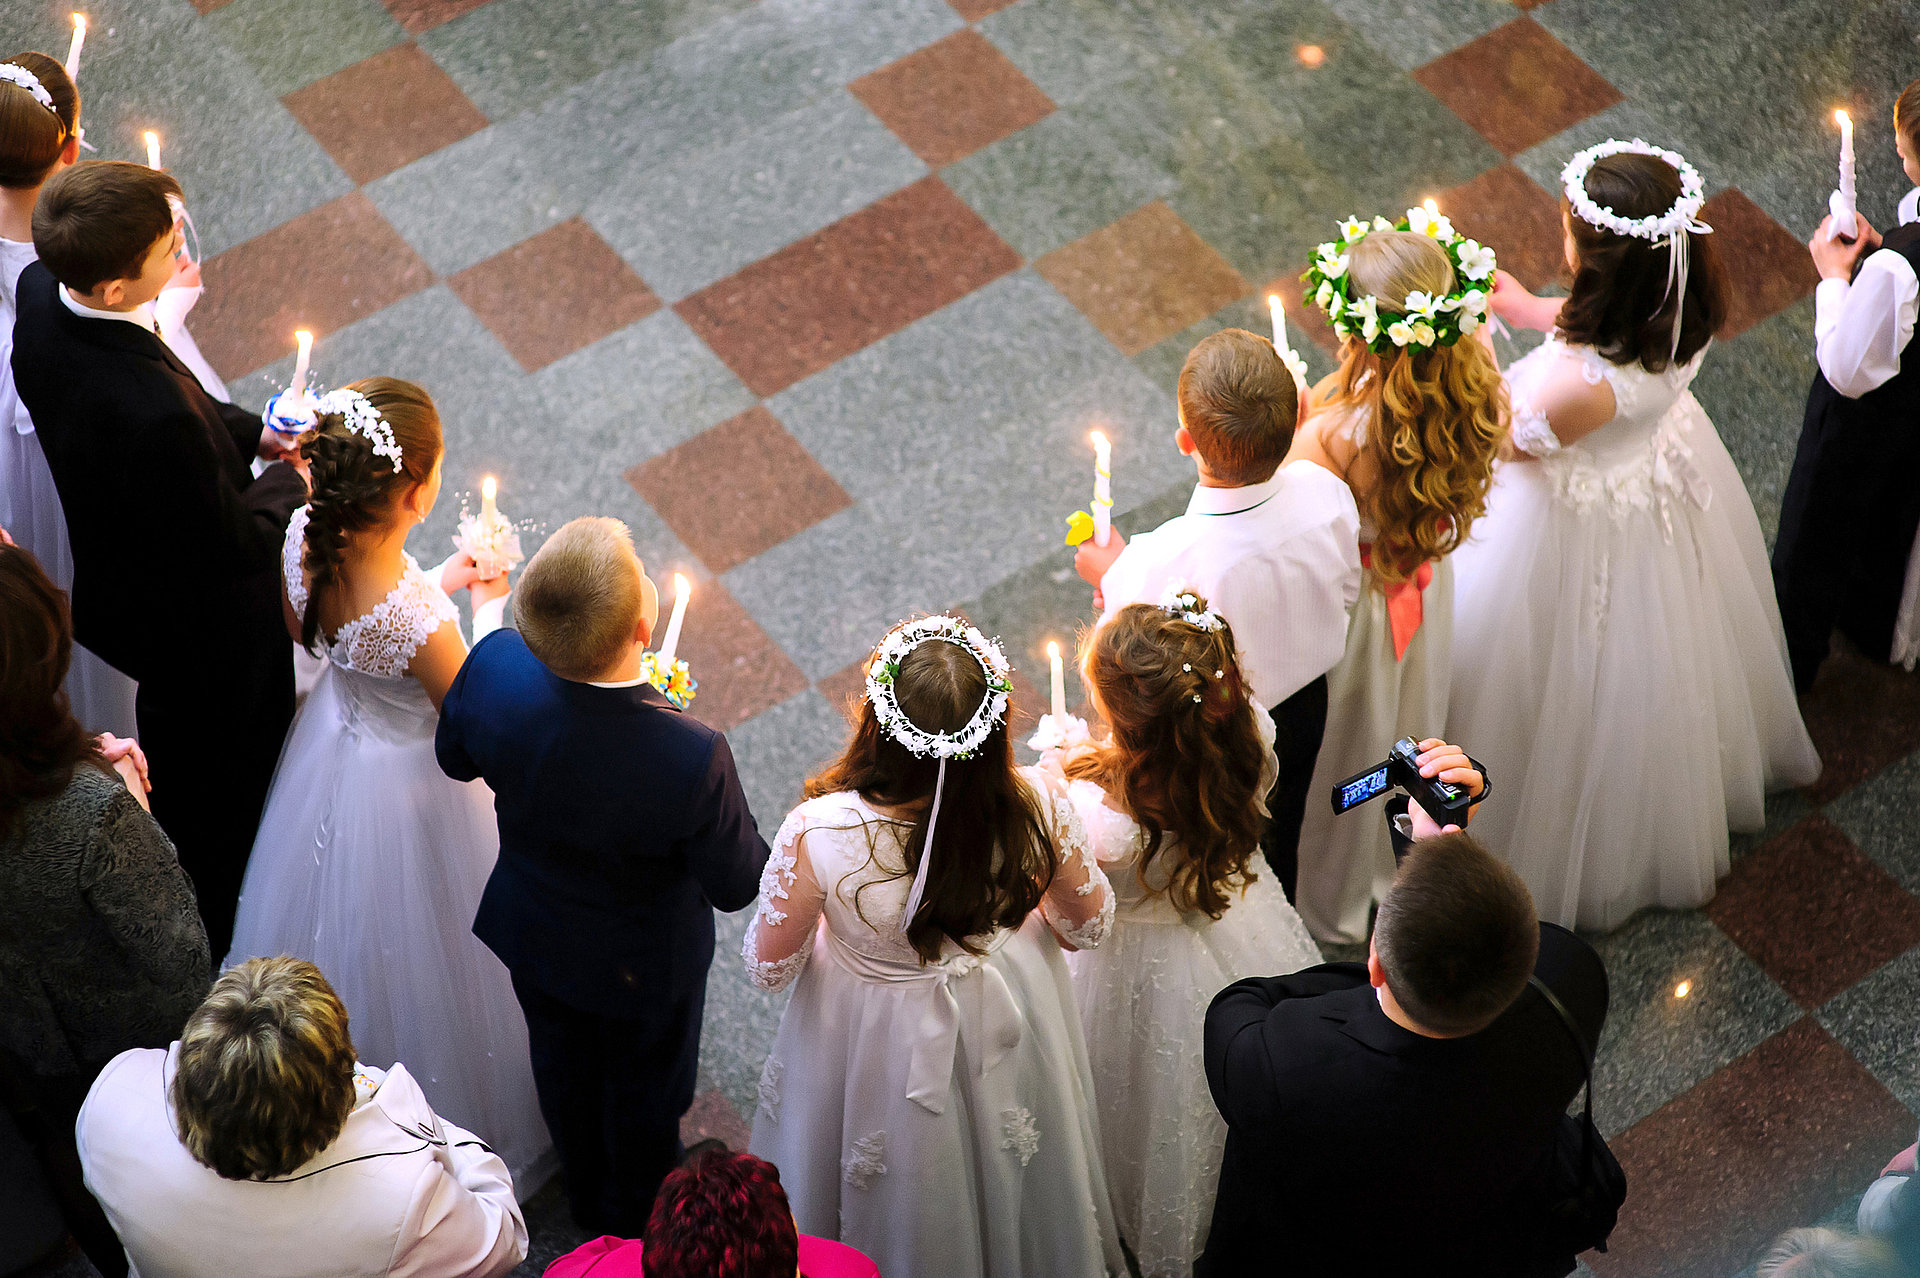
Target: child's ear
(113,292)
(1183,441)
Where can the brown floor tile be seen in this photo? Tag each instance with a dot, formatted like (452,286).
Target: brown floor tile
(208,6)
(1862,715)
(1814,912)
(974,10)
(323,270)
(386,112)
(550,295)
(1143,278)
(713,1117)
(739,488)
(740,670)
(953,97)
(1506,210)
(1767,269)
(1769,1142)
(870,274)
(424,15)
(1517,85)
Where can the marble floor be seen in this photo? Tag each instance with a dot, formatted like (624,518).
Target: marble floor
(822,296)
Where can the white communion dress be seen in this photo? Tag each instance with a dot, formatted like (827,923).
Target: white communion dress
(1619,663)
(369,864)
(939,1117)
(1143,999)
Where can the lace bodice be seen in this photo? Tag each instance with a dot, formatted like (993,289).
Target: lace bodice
(851,870)
(382,640)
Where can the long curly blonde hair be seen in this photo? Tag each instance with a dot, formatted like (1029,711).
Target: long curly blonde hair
(1436,419)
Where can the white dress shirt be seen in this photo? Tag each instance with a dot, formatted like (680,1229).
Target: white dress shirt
(141,314)
(1280,561)
(399,1192)
(1860,328)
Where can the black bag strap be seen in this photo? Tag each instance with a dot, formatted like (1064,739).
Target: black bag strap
(1586,1061)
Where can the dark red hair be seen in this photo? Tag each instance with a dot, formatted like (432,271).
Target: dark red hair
(723,1215)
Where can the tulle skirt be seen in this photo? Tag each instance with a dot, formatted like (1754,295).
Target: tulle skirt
(1620,667)
(370,863)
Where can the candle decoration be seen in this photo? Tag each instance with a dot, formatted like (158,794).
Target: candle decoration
(490,537)
(153,149)
(74,46)
(1058,730)
(663,669)
(290,414)
(1288,356)
(1843,202)
(1102,489)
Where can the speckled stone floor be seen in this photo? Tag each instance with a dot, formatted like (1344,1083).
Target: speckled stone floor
(821,297)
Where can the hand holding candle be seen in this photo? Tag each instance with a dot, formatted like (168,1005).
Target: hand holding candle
(290,413)
(73,47)
(1843,202)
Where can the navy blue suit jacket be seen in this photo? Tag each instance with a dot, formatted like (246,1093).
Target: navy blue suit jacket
(622,828)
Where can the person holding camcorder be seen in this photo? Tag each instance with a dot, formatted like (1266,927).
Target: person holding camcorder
(1410,1113)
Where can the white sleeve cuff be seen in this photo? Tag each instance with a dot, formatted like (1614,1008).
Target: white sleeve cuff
(1828,297)
(490,616)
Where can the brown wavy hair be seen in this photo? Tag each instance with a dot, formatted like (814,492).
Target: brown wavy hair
(41,743)
(1619,303)
(1435,419)
(32,137)
(355,490)
(1184,758)
(993,858)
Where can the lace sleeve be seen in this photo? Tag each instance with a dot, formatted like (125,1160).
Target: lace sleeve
(1532,434)
(383,641)
(780,937)
(1079,903)
(292,551)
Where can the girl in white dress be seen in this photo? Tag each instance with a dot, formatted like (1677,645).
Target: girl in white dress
(1173,803)
(370,861)
(1412,421)
(1619,661)
(928,1098)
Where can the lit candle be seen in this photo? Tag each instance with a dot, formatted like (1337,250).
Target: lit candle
(1279,324)
(682,589)
(73,47)
(1102,489)
(1059,682)
(153,149)
(303,340)
(489,512)
(1847,190)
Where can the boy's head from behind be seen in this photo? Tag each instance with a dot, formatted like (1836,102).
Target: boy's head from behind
(1238,404)
(106,230)
(584,600)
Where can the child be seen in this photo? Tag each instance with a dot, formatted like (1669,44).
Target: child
(1413,430)
(1173,803)
(622,828)
(926,1099)
(176,545)
(1848,519)
(1274,547)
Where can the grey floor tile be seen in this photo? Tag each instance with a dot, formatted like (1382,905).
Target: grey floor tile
(741,1020)
(1412,32)
(1656,1045)
(291,45)
(1073,48)
(1880,816)
(779,748)
(1624,120)
(1755,390)
(1874,1021)
(706,214)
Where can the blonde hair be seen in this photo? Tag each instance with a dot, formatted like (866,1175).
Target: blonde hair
(1435,419)
(1239,402)
(1818,1252)
(580,599)
(265,1073)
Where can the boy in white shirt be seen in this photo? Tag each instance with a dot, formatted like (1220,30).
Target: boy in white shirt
(1274,549)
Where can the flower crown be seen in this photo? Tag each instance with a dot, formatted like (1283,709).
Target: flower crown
(1184,604)
(362,419)
(14,73)
(1683,216)
(1424,320)
(885,667)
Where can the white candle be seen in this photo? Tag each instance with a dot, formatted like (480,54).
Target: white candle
(1059,682)
(1102,489)
(489,512)
(153,149)
(73,47)
(1279,323)
(682,589)
(1847,190)
(303,352)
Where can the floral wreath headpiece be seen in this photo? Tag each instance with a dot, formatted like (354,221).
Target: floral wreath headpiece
(1184,604)
(881,673)
(1422,320)
(362,419)
(14,73)
(1673,226)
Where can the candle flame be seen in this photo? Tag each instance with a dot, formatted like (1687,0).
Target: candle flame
(1099,440)
(1842,119)
(1053,651)
(300,335)
(80,23)
(153,149)
(1683,989)
(489,488)
(1273,299)
(1310,55)
(681,586)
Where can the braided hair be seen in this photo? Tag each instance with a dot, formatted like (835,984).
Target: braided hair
(356,491)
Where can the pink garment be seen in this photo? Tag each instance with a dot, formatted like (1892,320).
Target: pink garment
(611,1257)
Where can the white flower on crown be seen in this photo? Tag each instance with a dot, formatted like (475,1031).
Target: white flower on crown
(1426,306)
(1435,225)
(1369,312)
(13,73)
(1184,604)
(1683,216)
(1336,307)
(1423,333)
(885,664)
(1323,296)
(1353,229)
(1468,322)
(1333,263)
(1401,332)
(1381,224)
(1476,260)
(1474,302)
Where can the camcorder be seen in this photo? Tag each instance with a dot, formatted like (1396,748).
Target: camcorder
(1445,802)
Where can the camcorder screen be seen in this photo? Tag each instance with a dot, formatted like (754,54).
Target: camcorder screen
(1361,789)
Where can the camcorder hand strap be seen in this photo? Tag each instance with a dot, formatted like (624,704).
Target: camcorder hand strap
(1586,1067)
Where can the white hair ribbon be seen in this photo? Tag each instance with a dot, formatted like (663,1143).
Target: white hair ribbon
(1678,253)
(926,852)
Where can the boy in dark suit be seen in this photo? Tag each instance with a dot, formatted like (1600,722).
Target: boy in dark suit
(622,828)
(176,546)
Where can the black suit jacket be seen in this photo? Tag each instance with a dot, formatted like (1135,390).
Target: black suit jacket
(1356,1146)
(622,828)
(176,546)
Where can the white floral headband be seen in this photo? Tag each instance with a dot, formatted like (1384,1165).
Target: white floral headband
(1184,604)
(362,419)
(14,73)
(885,668)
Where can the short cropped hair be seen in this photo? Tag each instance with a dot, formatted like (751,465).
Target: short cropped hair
(1457,935)
(1906,117)
(1239,403)
(580,599)
(1827,1253)
(265,1074)
(97,221)
(723,1215)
